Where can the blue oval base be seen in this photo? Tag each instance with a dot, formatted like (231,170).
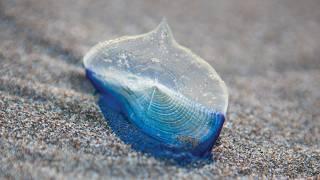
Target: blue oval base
(131,134)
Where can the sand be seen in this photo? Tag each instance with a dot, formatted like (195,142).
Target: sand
(266,51)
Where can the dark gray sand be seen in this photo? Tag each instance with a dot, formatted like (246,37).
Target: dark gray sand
(268,53)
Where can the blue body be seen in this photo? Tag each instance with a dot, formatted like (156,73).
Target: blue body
(116,111)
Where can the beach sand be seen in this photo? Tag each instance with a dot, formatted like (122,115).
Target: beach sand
(268,53)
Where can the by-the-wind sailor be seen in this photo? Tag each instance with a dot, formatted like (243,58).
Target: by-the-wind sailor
(157,95)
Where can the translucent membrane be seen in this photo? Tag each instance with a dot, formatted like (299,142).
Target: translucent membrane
(157,95)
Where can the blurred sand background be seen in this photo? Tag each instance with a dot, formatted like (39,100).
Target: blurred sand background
(268,53)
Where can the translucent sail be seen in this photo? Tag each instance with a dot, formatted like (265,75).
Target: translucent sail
(160,87)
